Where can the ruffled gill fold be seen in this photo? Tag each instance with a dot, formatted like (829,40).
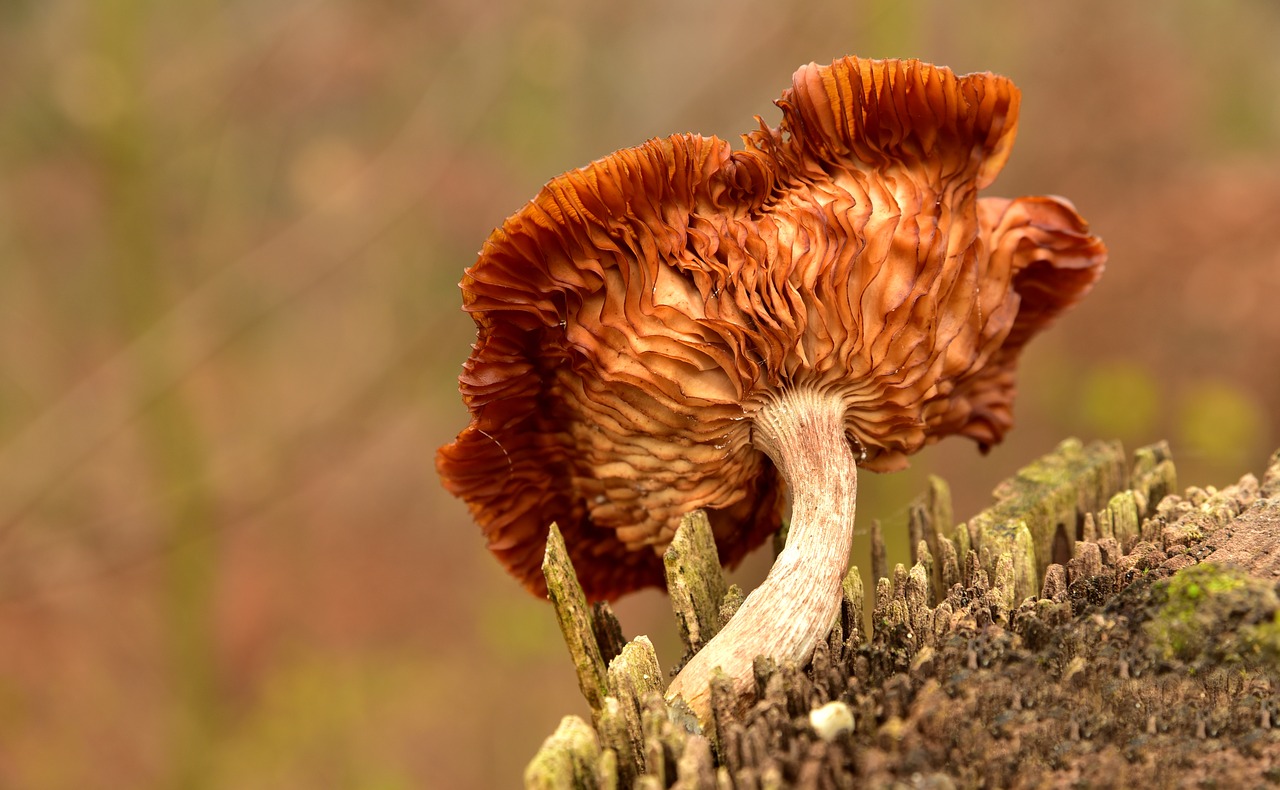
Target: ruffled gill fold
(1055,261)
(1055,258)
(881,114)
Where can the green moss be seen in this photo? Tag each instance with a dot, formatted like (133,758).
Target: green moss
(1263,639)
(1216,612)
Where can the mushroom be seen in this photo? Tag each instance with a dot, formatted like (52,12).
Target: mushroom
(681,325)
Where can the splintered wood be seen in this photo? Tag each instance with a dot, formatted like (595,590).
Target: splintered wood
(695,581)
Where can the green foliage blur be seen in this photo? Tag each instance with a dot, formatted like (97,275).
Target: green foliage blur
(230,237)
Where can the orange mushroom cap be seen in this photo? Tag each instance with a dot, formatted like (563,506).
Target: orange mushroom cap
(635,314)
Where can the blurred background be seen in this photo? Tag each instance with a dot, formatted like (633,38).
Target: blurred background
(230,237)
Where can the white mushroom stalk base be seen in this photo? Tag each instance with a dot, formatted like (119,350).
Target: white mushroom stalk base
(802,431)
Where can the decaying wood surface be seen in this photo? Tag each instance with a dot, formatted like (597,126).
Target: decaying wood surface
(1090,628)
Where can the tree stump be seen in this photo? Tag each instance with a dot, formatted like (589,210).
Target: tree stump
(1092,627)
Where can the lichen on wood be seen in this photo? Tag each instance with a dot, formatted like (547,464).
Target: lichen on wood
(633,677)
(569,758)
(695,581)
(1154,476)
(851,606)
(1120,519)
(1048,499)
(575,620)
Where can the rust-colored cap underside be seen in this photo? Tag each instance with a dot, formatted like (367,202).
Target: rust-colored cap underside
(633,316)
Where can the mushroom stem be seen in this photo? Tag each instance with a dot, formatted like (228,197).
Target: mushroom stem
(802,431)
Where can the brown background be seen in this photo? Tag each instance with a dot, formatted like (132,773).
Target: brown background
(230,235)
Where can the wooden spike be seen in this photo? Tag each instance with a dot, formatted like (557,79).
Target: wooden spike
(949,566)
(575,620)
(633,676)
(695,580)
(879,564)
(924,556)
(854,604)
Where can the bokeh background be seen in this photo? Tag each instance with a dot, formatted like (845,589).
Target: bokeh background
(230,237)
